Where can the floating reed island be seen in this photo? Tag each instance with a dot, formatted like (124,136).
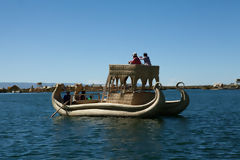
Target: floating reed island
(17,89)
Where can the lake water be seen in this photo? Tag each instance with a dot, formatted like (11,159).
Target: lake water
(208,129)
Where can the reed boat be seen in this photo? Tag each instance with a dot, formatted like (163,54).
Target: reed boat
(121,99)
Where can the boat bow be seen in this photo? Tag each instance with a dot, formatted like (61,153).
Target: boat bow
(177,106)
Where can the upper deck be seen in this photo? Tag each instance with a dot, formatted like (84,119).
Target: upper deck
(135,72)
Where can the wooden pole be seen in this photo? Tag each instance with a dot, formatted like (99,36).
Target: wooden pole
(59,109)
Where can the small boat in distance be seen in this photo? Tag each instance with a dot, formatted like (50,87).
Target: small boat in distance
(121,99)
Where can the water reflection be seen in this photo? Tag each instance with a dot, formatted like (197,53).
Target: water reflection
(110,134)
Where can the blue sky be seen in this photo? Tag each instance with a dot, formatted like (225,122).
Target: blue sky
(194,41)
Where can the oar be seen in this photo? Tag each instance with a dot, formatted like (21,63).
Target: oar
(59,109)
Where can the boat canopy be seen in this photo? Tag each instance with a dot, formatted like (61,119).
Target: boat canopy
(135,72)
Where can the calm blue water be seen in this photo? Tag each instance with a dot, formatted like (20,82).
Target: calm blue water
(208,129)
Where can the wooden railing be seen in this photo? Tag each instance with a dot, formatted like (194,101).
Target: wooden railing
(88,97)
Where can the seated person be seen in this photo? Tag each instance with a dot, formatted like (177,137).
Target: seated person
(83,97)
(66,98)
(90,98)
(135,60)
(146,59)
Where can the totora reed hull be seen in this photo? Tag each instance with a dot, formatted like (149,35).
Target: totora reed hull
(154,108)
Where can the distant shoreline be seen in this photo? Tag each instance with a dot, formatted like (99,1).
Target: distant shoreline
(24,85)
(49,87)
(211,87)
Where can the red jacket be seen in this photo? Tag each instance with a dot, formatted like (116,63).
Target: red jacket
(135,60)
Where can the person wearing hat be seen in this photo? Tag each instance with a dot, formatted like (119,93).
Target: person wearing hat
(135,60)
(146,59)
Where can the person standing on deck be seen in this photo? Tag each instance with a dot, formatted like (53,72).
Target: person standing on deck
(146,59)
(135,60)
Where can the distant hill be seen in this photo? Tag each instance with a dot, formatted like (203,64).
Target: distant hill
(26,84)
